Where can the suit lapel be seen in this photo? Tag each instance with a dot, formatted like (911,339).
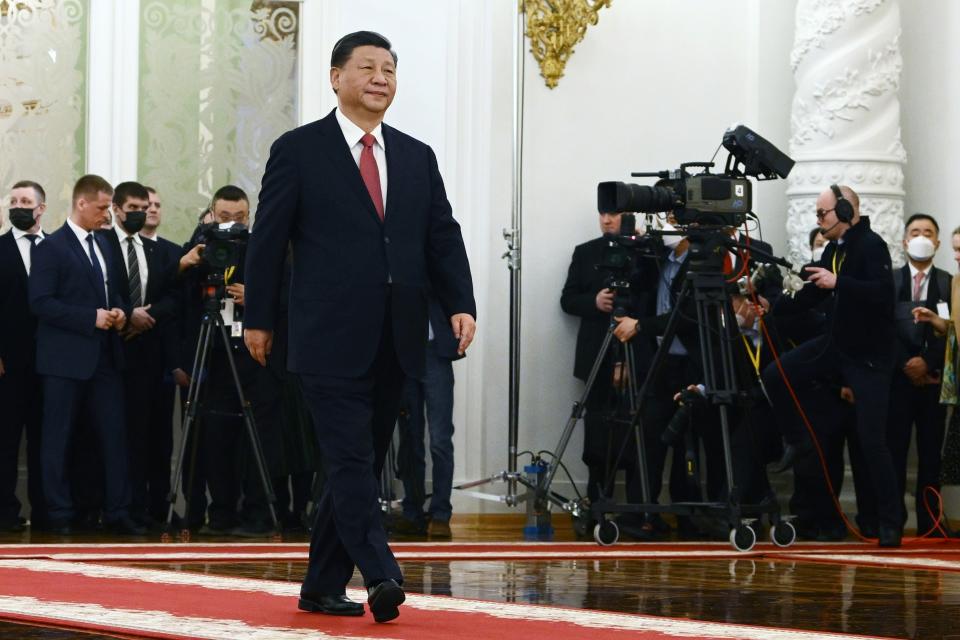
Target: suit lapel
(150,250)
(339,154)
(391,143)
(10,246)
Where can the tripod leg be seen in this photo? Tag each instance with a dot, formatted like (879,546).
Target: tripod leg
(191,407)
(250,425)
(637,427)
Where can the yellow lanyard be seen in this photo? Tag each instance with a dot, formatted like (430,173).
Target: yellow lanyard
(228,274)
(754,355)
(837,267)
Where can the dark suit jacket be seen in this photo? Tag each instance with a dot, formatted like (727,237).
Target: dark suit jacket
(64,294)
(312,195)
(579,298)
(161,270)
(18,325)
(918,338)
(860,322)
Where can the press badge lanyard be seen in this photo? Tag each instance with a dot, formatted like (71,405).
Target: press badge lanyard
(837,267)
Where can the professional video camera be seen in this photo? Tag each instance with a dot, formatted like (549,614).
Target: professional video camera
(224,245)
(705,199)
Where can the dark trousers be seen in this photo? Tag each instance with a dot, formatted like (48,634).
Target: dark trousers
(101,399)
(917,406)
(147,444)
(806,367)
(161,447)
(21,400)
(354,420)
(436,392)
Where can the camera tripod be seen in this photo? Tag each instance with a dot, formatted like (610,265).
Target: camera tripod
(211,324)
(705,285)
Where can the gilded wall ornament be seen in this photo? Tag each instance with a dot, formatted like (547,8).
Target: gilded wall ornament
(554,28)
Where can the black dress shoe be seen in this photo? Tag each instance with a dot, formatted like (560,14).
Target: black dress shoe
(332,605)
(890,537)
(791,453)
(125,526)
(383,600)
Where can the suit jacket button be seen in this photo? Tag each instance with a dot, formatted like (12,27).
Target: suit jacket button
(386,240)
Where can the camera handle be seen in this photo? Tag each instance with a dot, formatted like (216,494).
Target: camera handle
(213,322)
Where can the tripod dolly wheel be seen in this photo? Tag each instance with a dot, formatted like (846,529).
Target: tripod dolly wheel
(783,534)
(606,533)
(743,537)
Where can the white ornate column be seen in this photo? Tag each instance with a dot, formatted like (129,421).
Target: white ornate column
(845,123)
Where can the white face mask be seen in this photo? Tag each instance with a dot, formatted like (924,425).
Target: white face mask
(818,253)
(921,248)
(671,241)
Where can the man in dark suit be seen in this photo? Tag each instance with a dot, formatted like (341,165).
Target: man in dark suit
(586,294)
(915,390)
(435,392)
(73,291)
(20,387)
(857,347)
(364,256)
(148,288)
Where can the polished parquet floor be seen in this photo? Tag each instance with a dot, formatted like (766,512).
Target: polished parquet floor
(881,601)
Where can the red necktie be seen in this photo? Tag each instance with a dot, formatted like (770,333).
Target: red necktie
(917,285)
(370,173)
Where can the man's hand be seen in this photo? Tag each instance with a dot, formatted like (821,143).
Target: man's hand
(191,258)
(119,318)
(916,369)
(236,291)
(259,343)
(627,327)
(822,278)
(181,378)
(605,300)
(140,320)
(846,394)
(104,319)
(464,328)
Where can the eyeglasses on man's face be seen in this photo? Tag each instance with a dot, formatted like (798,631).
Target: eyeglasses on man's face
(822,213)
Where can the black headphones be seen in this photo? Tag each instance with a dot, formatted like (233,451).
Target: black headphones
(843,208)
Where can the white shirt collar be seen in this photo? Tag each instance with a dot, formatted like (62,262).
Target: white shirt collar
(80,231)
(17,234)
(914,271)
(122,235)
(352,133)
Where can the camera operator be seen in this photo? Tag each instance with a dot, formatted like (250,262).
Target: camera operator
(226,455)
(858,346)
(586,294)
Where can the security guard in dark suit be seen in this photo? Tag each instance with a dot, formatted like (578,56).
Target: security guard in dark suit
(858,346)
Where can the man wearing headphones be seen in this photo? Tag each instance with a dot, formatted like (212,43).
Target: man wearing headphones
(857,349)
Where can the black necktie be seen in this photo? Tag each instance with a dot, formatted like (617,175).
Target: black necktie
(98,270)
(133,274)
(32,237)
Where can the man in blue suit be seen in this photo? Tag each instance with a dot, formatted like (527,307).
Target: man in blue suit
(364,256)
(73,292)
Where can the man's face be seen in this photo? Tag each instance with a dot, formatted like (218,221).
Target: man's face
(130,204)
(921,227)
(827,216)
(610,223)
(93,212)
(26,198)
(231,211)
(153,211)
(367,82)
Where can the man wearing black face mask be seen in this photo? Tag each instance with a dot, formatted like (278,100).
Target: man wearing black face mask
(149,288)
(19,384)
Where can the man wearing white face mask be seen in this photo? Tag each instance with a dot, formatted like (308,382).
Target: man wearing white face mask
(915,388)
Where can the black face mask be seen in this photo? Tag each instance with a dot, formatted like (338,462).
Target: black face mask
(135,221)
(22,218)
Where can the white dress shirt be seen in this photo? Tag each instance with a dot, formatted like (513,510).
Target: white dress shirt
(82,234)
(352,134)
(924,284)
(141,257)
(23,245)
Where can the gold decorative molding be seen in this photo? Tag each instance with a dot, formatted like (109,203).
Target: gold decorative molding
(554,28)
